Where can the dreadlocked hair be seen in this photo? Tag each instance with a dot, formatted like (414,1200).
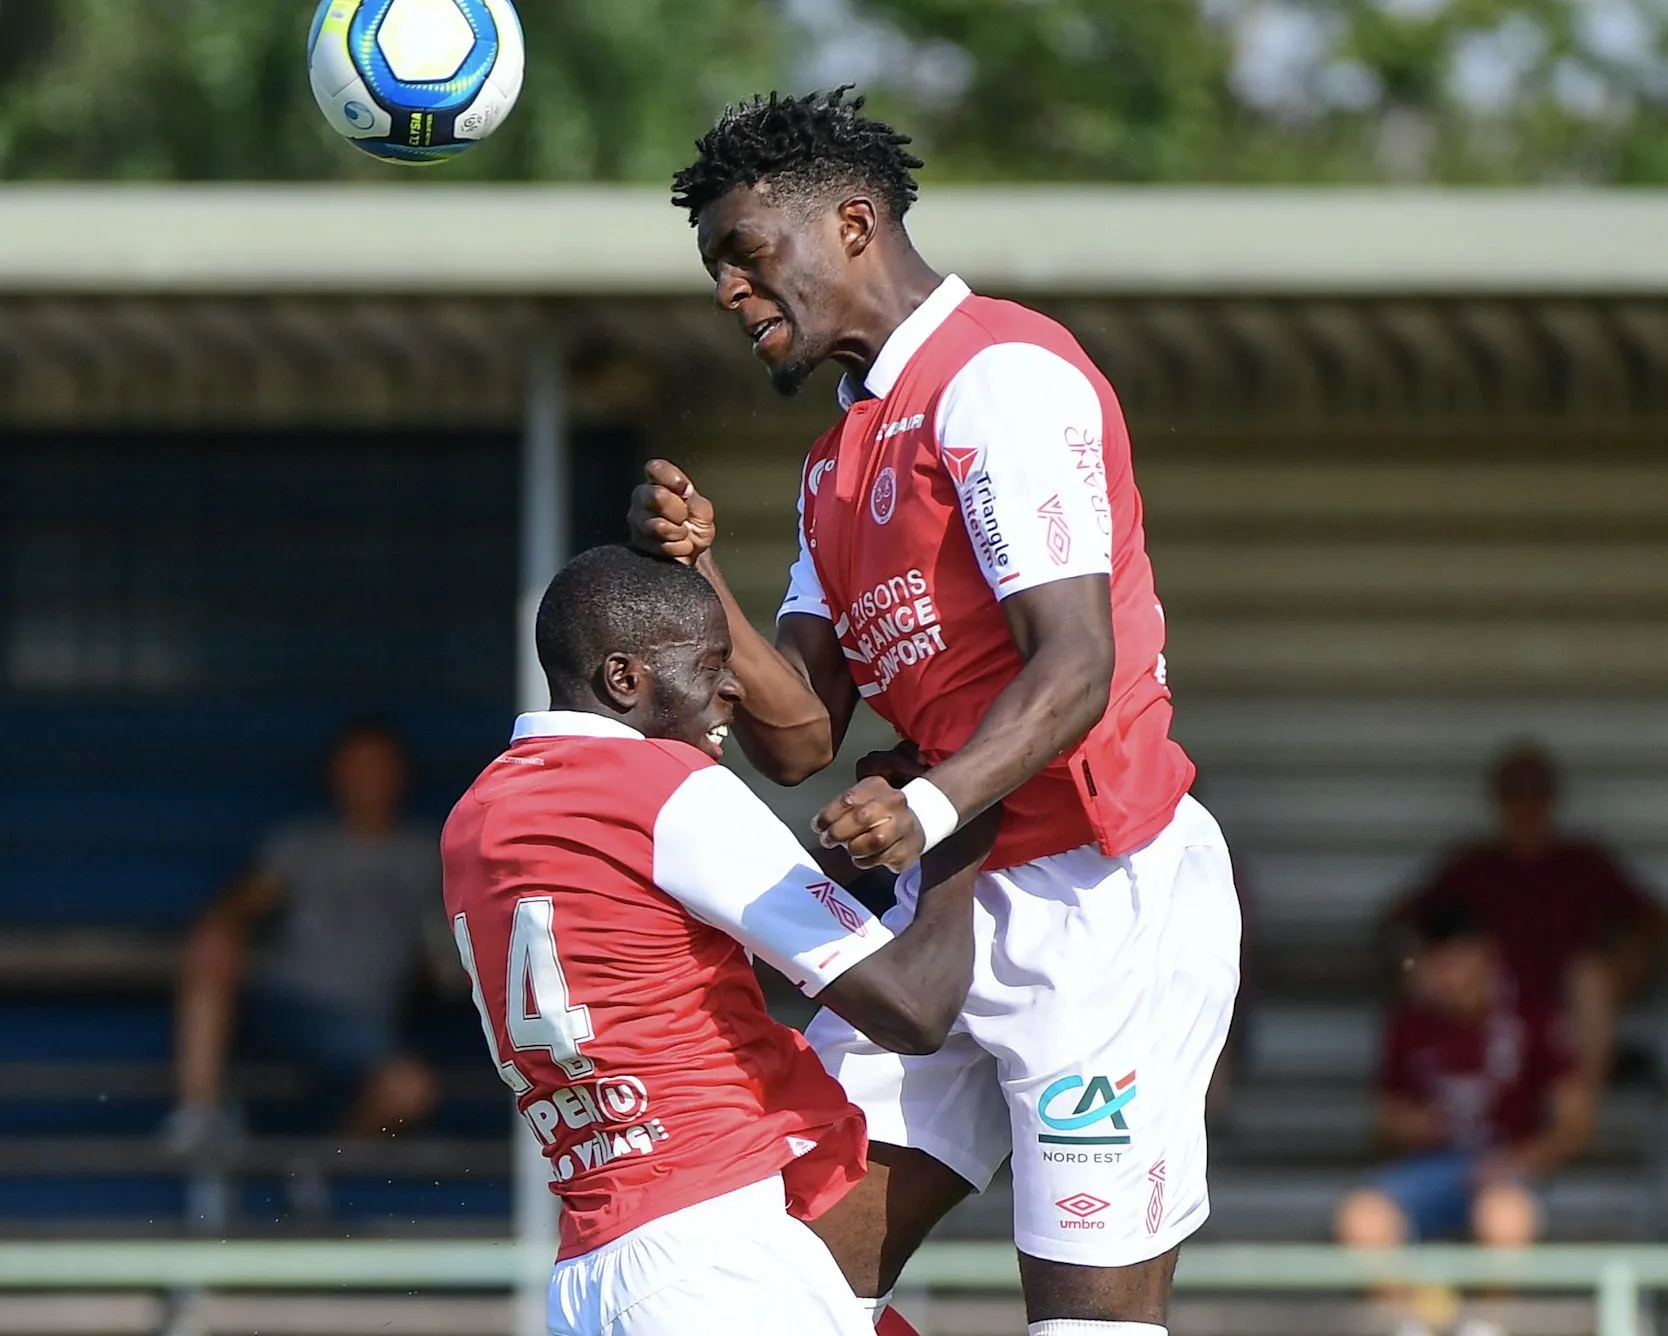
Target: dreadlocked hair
(800,145)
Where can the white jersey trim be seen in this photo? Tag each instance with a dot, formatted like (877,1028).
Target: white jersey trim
(1019,432)
(724,856)
(805,592)
(570,724)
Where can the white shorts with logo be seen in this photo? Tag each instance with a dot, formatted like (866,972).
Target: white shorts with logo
(1102,991)
(738,1262)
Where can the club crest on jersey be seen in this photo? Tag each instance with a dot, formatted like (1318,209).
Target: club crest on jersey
(883,497)
(962,461)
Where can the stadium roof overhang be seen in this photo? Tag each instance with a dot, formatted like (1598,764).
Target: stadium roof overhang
(194,304)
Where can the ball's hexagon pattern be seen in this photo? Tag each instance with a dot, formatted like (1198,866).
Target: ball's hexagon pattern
(425,41)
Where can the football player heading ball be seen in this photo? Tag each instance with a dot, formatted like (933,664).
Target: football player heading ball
(972,563)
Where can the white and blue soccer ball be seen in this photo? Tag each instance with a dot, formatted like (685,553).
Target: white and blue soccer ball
(415,81)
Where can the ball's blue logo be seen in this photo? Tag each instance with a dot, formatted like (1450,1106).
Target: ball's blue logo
(1101,1101)
(359,115)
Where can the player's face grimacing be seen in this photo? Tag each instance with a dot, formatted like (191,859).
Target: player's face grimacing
(778,269)
(692,692)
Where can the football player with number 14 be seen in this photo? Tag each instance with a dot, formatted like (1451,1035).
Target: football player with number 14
(606,880)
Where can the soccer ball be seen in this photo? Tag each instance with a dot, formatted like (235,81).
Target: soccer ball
(415,81)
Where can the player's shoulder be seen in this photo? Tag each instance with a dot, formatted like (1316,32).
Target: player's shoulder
(983,324)
(708,803)
(1000,320)
(614,770)
(1003,348)
(645,768)
(679,759)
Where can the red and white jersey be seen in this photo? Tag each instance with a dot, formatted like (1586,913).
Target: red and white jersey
(990,457)
(605,890)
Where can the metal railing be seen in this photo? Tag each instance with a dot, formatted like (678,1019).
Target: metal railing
(1617,1276)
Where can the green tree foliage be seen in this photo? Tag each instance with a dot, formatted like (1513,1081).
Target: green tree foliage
(1095,90)
(1061,89)
(215,89)
(1454,91)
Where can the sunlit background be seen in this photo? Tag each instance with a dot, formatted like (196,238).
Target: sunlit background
(288,436)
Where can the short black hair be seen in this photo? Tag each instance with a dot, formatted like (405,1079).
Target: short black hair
(613,600)
(1448,920)
(803,145)
(1524,769)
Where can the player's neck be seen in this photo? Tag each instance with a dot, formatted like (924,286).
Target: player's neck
(902,280)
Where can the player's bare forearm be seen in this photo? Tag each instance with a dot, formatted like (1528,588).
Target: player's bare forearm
(906,996)
(1044,712)
(786,725)
(799,695)
(1064,633)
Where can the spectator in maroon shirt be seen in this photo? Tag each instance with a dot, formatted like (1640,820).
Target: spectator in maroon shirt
(1578,935)
(1478,1097)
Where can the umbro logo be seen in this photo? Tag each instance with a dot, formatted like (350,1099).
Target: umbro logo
(1082,1205)
(843,913)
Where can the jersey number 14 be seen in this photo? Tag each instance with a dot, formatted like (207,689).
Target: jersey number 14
(537,1016)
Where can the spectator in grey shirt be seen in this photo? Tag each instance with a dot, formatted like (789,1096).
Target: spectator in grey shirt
(309,955)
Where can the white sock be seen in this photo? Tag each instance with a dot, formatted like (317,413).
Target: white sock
(875,1307)
(1076,1326)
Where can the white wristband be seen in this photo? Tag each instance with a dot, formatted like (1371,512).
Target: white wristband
(936,813)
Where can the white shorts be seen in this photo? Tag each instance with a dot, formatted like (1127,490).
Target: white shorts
(1102,991)
(738,1262)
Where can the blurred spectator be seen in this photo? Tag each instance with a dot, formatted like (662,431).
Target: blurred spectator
(1578,935)
(310,955)
(1478,1097)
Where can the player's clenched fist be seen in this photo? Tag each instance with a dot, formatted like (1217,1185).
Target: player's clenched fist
(872,819)
(668,517)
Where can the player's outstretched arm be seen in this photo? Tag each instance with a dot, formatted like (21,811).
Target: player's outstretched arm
(799,698)
(906,996)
